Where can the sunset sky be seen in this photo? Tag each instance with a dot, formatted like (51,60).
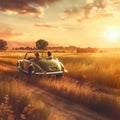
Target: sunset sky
(82,23)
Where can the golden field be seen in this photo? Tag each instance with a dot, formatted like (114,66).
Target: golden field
(92,79)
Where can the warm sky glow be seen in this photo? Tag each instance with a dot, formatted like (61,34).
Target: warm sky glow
(83,23)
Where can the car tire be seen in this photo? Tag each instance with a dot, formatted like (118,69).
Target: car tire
(30,70)
(18,68)
(59,76)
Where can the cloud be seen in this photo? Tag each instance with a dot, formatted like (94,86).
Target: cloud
(29,7)
(19,43)
(58,26)
(45,25)
(93,8)
(72,10)
(116,3)
(99,3)
(7,32)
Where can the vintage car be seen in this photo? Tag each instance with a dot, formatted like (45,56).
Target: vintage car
(43,66)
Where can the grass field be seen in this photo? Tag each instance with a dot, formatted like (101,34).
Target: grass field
(98,70)
(14,100)
(17,103)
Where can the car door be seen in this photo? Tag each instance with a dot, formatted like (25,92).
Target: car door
(26,64)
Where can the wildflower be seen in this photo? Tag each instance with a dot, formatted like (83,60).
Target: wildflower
(6,99)
(84,76)
(5,109)
(28,110)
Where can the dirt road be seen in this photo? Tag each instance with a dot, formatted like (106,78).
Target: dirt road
(70,111)
(65,109)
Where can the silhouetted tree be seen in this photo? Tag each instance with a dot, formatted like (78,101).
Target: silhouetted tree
(3,44)
(28,48)
(41,44)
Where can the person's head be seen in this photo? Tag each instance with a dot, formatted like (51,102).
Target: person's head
(37,54)
(49,53)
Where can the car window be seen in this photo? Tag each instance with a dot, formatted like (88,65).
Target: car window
(30,55)
(43,54)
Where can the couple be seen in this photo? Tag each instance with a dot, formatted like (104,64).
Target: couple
(37,56)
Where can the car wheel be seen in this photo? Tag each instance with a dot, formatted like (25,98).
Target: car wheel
(31,70)
(59,76)
(18,68)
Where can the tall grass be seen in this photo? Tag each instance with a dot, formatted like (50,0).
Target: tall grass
(98,68)
(25,104)
(83,94)
(18,98)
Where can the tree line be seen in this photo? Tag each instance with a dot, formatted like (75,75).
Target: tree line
(3,44)
(40,45)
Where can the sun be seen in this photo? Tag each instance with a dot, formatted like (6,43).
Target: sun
(113,34)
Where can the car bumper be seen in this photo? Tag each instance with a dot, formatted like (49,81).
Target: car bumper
(51,73)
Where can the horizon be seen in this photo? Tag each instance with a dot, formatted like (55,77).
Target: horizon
(65,47)
(81,23)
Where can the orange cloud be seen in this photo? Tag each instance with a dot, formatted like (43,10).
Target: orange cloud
(21,43)
(7,32)
(45,25)
(62,26)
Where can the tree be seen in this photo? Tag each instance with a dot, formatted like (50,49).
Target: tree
(3,44)
(41,44)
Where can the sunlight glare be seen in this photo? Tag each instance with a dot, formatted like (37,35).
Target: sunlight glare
(113,34)
(20,54)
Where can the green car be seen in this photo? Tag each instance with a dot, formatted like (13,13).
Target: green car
(42,66)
